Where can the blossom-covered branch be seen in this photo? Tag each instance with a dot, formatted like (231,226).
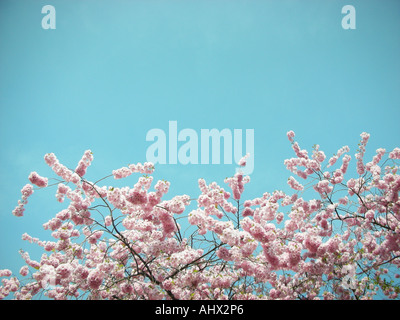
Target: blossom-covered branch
(340,242)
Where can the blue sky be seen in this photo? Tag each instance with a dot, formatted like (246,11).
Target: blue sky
(113,70)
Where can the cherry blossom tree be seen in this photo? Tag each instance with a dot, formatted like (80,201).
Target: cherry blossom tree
(128,242)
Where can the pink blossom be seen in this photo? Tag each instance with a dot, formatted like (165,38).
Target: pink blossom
(291,225)
(127,288)
(294,184)
(146,168)
(53,224)
(108,221)
(333,160)
(122,173)
(95,279)
(137,197)
(50,159)
(360,154)
(290,134)
(38,180)
(323,187)
(299,153)
(224,254)
(27,191)
(237,184)
(272,259)
(84,163)
(279,217)
(63,215)
(19,210)
(64,270)
(301,174)
(62,190)
(337,177)
(345,164)
(242,161)
(340,152)
(247,212)
(312,243)
(319,156)
(395,154)
(50,246)
(24,271)
(5,273)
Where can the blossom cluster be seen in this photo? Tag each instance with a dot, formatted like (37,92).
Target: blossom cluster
(26,192)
